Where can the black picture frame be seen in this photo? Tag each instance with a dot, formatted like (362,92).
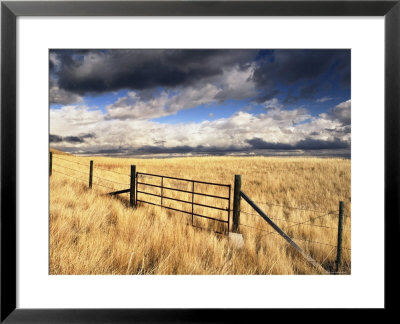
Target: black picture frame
(10,10)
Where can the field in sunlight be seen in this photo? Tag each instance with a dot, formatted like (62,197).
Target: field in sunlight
(94,233)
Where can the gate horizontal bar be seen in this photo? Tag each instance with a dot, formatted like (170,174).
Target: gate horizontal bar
(184,211)
(184,201)
(119,192)
(147,193)
(181,190)
(149,184)
(195,181)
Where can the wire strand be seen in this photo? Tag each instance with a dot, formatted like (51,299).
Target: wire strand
(101,185)
(300,223)
(297,224)
(68,175)
(70,161)
(293,238)
(290,207)
(95,176)
(310,220)
(97,167)
(288,221)
(94,183)
(62,166)
(327,256)
(259,229)
(315,242)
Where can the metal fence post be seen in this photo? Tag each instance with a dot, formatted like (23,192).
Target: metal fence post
(192,202)
(229,208)
(236,203)
(162,189)
(51,163)
(91,174)
(132,201)
(339,239)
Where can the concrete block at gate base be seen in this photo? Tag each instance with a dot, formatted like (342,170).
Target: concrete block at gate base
(236,240)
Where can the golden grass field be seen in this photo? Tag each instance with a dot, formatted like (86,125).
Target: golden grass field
(94,233)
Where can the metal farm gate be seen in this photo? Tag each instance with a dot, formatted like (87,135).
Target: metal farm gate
(189,187)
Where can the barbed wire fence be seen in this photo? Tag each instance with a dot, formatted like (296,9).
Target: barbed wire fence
(76,166)
(293,230)
(296,224)
(292,226)
(106,183)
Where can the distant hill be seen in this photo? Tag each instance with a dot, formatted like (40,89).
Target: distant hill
(53,150)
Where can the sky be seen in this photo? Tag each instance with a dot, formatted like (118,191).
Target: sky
(133,102)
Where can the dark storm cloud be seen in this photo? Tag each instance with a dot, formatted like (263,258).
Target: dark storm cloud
(73,139)
(339,131)
(60,96)
(347,129)
(291,66)
(312,144)
(69,139)
(341,112)
(256,144)
(110,151)
(301,74)
(294,67)
(306,144)
(268,96)
(343,67)
(259,144)
(100,71)
(257,147)
(186,149)
(154,149)
(55,138)
(307,91)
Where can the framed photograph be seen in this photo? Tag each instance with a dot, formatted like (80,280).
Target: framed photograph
(174,160)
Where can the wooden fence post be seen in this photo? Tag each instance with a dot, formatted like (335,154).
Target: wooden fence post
(91,174)
(339,239)
(132,201)
(236,203)
(51,163)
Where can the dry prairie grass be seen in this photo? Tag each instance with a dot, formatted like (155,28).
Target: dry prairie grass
(93,233)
